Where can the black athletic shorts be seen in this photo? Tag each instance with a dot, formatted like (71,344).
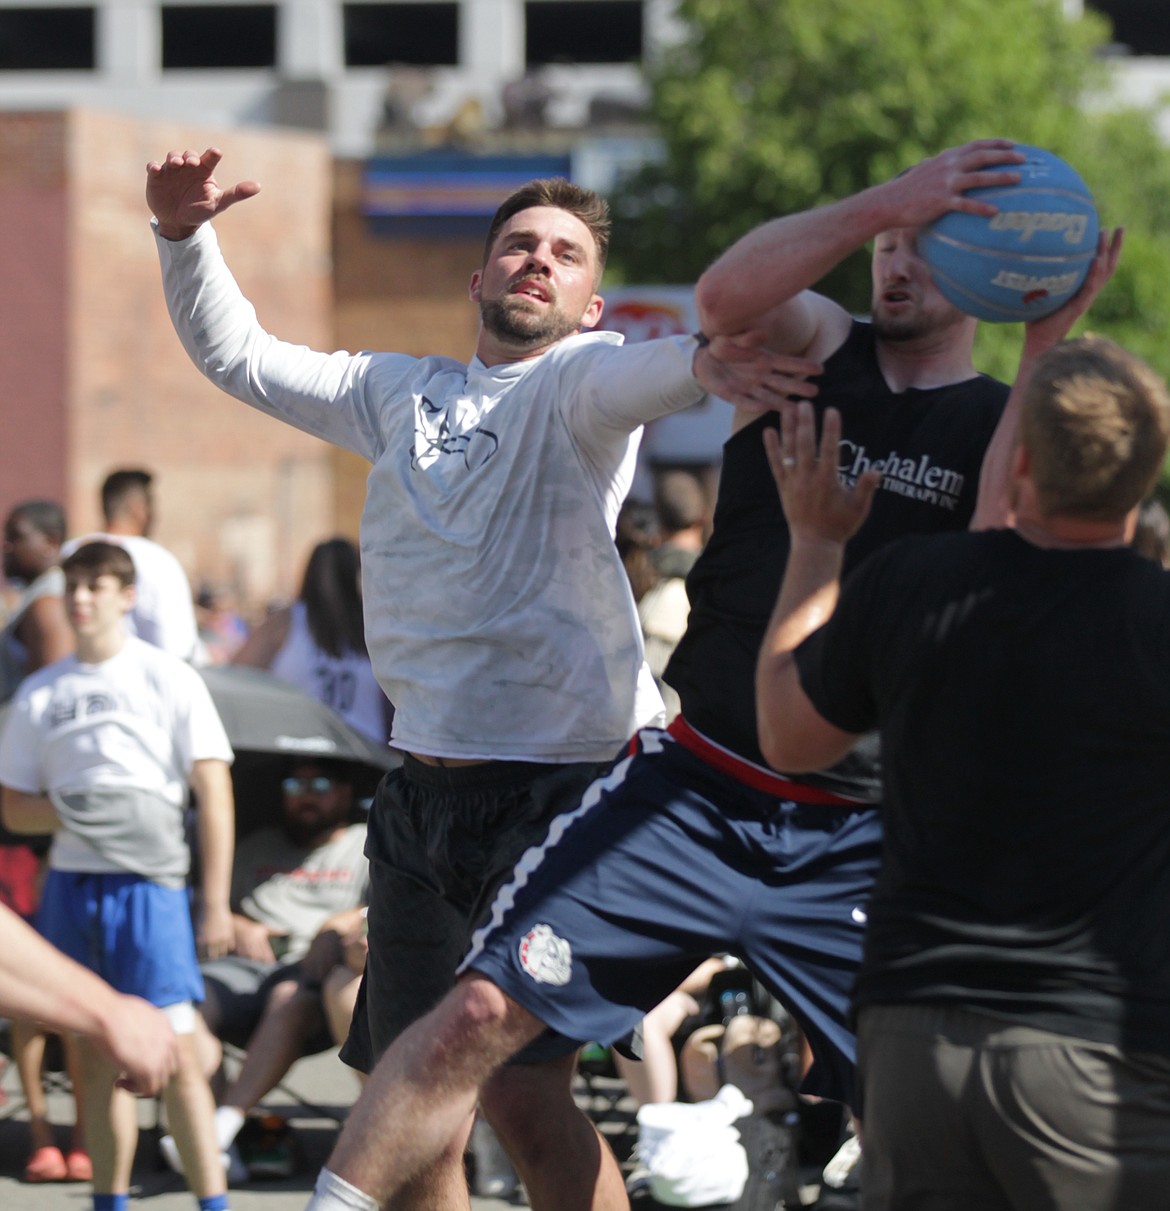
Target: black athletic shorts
(440,841)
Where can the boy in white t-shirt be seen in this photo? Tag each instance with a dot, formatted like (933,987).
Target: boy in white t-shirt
(103,747)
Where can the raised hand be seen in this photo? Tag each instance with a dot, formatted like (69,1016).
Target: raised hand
(1050,330)
(819,508)
(940,184)
(183,194)
(739,370)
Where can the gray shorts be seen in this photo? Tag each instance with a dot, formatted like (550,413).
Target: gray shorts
(440,841)
(963,1111)
(237,989)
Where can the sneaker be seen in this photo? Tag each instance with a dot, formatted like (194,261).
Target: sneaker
(638,1183)
(234,1170)
(841,1179)
(267,1147)
(840,1172)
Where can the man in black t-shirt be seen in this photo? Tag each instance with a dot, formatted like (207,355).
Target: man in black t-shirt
(1014,998)
(691,845)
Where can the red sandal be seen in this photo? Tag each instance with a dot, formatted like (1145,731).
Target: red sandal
(78,1166)
(46,1165)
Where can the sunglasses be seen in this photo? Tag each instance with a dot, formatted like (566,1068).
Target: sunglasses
(308,786)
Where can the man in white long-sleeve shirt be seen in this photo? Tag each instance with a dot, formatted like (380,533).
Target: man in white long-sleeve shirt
(498,617)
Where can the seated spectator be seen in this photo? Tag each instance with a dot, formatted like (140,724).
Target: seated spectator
(287,988)
(319,642)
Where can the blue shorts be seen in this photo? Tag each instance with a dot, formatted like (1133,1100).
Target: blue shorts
(667,861)
(135,934)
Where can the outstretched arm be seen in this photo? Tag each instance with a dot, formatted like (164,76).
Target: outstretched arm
(993,506)
(822,516)
(753,379)
(761,280)
(183,194)
(39,982)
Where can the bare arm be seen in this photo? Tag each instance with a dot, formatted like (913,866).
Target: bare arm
(216,815)
(822,515)
(39,982)
(26,813)
(762,280)
(993,506)
(45,632)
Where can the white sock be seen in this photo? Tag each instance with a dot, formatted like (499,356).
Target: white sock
(228,1121)
(333,1193)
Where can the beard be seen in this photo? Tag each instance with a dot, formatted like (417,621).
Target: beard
(931,316)
(514,321)
(902,327)
(311,828)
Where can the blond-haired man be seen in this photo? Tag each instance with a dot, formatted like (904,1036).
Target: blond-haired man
(1014,994)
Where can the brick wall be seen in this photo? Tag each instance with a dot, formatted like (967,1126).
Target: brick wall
(96,379)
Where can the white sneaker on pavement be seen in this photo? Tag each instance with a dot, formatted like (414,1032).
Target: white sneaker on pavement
(838,1171)
(235,1171)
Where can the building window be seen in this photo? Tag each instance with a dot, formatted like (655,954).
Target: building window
(218,35)
(47,39)
(422,35)
(1141,25)
(583,31)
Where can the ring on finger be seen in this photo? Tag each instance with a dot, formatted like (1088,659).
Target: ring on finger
(788,462)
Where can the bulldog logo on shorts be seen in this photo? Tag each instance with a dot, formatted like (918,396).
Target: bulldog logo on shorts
(547,958)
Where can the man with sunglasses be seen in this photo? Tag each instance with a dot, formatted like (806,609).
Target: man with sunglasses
(298,898)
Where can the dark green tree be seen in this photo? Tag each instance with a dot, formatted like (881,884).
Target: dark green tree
(773,106)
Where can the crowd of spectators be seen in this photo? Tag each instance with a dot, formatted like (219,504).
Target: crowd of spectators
(301,878)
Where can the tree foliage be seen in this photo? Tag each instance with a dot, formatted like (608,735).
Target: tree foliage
(768,107)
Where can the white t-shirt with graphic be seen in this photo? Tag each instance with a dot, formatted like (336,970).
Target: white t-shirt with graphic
(499,619)
(113,744)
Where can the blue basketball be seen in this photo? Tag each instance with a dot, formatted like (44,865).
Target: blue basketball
(1025,261)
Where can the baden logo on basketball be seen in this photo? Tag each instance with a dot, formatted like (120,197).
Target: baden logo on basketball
(1028,222)
(545,957)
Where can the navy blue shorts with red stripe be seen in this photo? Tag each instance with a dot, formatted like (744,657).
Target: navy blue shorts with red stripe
(668,860)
